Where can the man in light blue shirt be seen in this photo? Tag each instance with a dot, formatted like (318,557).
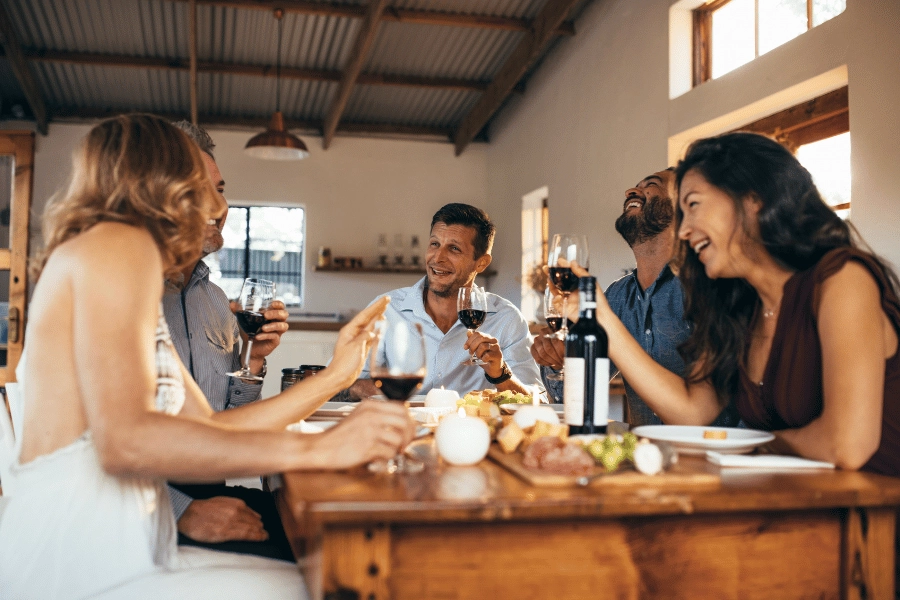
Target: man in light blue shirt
(459,248)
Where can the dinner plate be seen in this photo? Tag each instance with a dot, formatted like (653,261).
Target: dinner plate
(430,415)
(335,410)
(511,408)
(307,427)
(689,439)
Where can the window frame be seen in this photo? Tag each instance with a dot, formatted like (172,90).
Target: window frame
(247,205)
(702,36)
(822,117)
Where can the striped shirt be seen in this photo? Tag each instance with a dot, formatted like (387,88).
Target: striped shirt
(205,334)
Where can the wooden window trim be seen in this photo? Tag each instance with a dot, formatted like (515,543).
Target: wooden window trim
(702,36)
(822,117)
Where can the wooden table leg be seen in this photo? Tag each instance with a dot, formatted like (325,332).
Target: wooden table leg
(868,554)
(357,559)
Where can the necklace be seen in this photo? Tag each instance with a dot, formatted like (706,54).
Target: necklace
(768,313)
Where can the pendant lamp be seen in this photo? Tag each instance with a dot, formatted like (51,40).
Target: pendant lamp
(276,143)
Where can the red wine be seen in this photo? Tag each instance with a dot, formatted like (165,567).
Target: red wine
(471,318)
(554,323)
(398,387)
(564,279)
(251,322)
(586,383)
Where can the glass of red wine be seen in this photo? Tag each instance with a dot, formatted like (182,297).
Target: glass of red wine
(471,306)
(554,317)
(255,299)
(566,248)
(397,367)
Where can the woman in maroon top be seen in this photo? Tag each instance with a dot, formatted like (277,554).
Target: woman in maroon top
(790,318)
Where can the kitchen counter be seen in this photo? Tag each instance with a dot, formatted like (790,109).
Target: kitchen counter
(315,325)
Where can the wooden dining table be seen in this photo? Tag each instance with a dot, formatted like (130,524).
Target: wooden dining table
(481,532)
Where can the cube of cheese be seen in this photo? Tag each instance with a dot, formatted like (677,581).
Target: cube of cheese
(510,437)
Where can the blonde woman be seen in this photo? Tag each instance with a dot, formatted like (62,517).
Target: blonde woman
(111,413)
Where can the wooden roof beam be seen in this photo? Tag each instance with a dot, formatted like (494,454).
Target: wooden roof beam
(219,68)
(364,40)
(30,87)
(397,15)
(528,50)
(305,126)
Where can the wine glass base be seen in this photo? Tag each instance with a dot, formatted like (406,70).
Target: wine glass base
(398,464)
(473,362)
(245,376)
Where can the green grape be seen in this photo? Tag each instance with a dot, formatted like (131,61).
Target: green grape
(613,457)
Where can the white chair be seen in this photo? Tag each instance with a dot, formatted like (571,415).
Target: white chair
(17,412)
(7,438)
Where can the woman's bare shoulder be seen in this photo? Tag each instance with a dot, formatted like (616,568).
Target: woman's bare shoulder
(119,257)
(111,244)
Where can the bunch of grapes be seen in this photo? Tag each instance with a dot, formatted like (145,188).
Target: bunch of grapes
(612,450)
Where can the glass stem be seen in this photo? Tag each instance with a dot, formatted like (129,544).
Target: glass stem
(247,356)
(565,316)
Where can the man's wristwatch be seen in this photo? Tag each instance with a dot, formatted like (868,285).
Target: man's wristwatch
(505,375)
(265,370)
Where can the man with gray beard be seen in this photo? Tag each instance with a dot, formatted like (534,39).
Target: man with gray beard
(206,335)
(649,300)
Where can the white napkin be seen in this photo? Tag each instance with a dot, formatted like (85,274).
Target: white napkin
(765,461)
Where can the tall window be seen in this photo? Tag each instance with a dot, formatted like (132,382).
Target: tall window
(818,132)
(265,242)
(731,33)
(535,236)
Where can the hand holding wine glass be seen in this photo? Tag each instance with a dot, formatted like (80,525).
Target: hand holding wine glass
(471,306)
(398,367)
(554,316)
(256,297)
(565,249)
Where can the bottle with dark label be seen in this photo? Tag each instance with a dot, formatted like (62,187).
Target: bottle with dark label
(586,386)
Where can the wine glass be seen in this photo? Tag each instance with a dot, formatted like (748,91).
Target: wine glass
(471,306)
(565,249)
(255,299)
(553,316)
(397,367)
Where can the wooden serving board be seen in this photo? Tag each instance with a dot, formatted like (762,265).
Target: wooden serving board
(686,474)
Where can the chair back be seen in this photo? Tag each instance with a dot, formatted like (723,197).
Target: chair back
(7,440)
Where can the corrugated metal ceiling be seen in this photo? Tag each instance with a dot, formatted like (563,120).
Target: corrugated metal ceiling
(129,30)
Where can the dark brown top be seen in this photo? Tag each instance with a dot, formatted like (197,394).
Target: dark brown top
(791,395)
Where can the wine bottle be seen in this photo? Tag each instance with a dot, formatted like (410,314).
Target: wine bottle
(586,385)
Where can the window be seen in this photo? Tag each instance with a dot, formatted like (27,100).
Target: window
(265,242)
(818,132)
(535,238)
(731,33)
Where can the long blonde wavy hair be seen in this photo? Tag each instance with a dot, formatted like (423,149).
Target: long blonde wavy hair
(139,170)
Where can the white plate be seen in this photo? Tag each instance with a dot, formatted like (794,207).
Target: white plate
(430,415)
(335,409)
(688,439)
(316,427)
(514,407)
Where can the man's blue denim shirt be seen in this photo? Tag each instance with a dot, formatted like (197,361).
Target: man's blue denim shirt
(655,317)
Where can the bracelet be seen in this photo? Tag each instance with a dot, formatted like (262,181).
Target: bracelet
(505,375)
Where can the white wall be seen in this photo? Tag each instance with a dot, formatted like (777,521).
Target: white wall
(597,118)
(356,189)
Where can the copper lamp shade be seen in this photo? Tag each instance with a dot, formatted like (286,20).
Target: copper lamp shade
(275,143)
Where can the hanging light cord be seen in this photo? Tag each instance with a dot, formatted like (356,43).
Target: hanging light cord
(278,14)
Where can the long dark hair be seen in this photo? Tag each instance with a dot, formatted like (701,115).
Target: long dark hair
(795,226)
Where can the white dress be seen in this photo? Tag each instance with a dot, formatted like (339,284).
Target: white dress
(70,530)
